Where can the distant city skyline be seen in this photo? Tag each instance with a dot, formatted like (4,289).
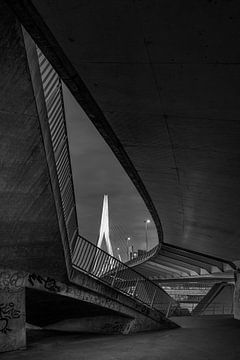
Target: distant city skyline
(96,172)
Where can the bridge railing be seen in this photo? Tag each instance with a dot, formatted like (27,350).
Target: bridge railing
(145,256)
(52,89)
(86,256)
(218,309)
(89,258)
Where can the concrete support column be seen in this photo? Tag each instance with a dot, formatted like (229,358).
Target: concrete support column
(12,311)
(236,295)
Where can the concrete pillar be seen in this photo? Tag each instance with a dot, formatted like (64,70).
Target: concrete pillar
(12,311)
(236,296)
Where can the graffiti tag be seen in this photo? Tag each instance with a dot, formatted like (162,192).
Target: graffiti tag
(7,312)
(48,283)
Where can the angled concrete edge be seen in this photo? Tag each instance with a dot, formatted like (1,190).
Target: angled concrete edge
(43,120)
(85,281)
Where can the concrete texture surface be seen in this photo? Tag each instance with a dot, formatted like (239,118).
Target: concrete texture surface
(200,339)
(236,297)
(70,308)
(168,90)
(29,229)
(12,319)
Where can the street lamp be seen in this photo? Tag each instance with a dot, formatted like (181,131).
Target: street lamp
(119,256)
(128,247)
(146,232)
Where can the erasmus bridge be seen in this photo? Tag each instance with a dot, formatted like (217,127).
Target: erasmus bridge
(181,155)
(115,237)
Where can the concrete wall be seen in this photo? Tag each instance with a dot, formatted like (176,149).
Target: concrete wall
(12,312)
(236,297)
(30,239)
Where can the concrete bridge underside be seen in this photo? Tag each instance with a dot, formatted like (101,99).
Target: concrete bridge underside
(150,77)
(34,252)
(162,88)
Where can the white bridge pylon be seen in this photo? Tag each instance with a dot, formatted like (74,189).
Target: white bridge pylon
(104,228)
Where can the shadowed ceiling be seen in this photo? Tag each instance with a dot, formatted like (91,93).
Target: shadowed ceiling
(165,75)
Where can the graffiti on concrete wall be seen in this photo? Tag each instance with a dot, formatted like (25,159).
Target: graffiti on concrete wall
(48,283)
(7,312)
(12,280)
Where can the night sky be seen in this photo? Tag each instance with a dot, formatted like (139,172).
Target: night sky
(96,172)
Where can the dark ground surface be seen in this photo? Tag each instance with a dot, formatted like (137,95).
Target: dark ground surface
(204,338)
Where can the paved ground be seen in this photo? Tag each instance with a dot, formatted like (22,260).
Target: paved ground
(199,339)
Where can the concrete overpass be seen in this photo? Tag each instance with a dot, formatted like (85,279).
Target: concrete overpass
(173,262)
(162,90)
(150,77)
(39,233)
